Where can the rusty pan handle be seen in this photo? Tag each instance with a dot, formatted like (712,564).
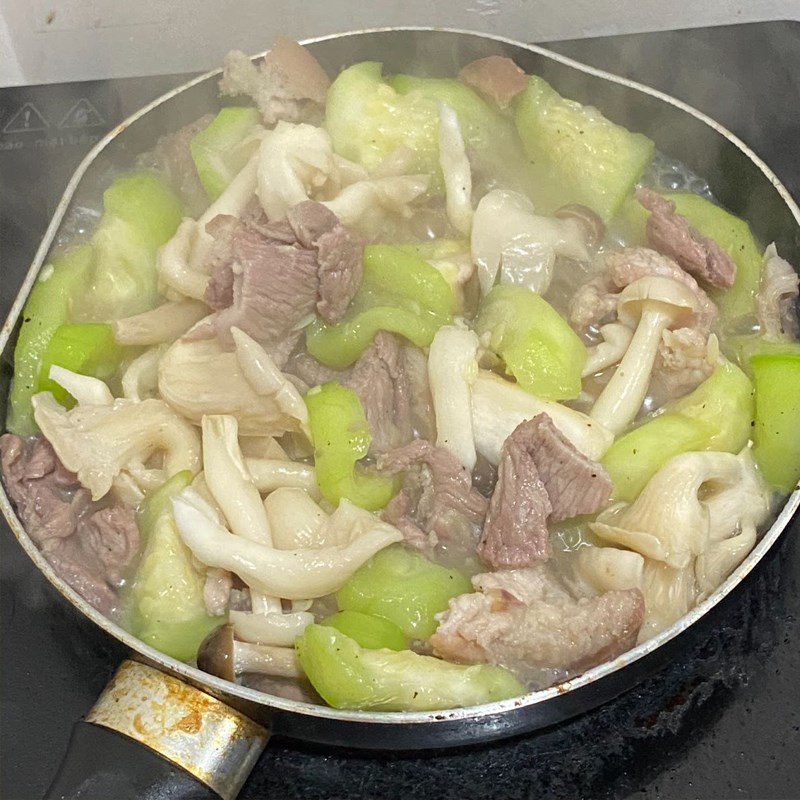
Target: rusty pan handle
(153,736)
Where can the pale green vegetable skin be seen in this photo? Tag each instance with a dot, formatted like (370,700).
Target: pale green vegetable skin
(777,417)
(167,610)
(48,307)
(731,233)
(404,587)
(584,157)
(717,415)
(140,214)
(735,237)
(368,118)
(368,630)
(353,677)
(536,343)
(217,150)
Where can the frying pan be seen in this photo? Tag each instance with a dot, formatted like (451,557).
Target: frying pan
(163,728)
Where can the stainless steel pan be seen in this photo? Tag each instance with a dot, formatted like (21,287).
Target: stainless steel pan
(151,700)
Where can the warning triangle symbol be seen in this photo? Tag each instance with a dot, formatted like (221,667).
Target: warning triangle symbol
(82,115)
(26,119)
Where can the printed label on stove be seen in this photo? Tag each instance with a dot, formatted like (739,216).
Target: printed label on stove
(26,119)
(82,115)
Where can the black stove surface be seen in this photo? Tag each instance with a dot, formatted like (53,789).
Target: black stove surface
(722,722)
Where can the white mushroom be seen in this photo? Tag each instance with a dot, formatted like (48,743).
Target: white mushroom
(221,655)
(670,521)
(292,574)
(86,390)
(199,377)
(452,367)
(163,324)
(616,340)
(456,170)
(231,486)
(498,406)
(270,474)
(652,304)
(100,443)
(294,518)
(279,630)
(295,162)
(669,593)
(140,379)
(506,232)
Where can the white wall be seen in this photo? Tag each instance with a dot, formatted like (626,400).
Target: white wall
(44,41)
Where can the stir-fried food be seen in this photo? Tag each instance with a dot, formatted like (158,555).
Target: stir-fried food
(402,393)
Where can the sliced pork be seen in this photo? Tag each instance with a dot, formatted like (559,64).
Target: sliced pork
(47,497)
(497,78)
(379,379)
(671,234)
(542,478)
(288,85)
(596,300)
(683,362)
(528,621)
(89,549)
(311,372)
(437,504)
(269,278)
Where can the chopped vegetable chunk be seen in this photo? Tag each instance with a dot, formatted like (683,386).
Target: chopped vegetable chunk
(777,430)
(537,344)
(349,676)
(166,593)
(586,156)
(341,437)
(403,586)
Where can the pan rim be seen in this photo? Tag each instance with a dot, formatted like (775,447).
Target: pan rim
(252,696)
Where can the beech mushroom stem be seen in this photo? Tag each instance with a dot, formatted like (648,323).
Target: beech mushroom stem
(620,400)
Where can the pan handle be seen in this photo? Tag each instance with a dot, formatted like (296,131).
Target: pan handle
(151,736)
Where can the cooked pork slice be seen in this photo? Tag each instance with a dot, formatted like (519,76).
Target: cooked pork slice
(311,372)
(596,300)
(268,278)
(111,534)
(339,256)
(671,234)
(575,484)
(437,504)
(593,302)
(777,298)
(289,85)
(381,383)
(90,550)
(497,78)
(515,533)
(81,571)
(48,498)
(529,622)
(273,289)
(423,418)
(683,362)
(542,477)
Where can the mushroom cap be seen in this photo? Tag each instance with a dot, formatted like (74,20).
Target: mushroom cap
(669,295)
(215,654)
(594,230)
